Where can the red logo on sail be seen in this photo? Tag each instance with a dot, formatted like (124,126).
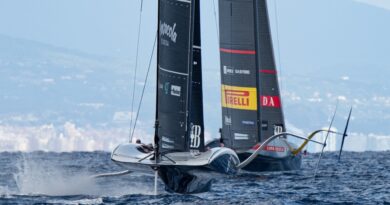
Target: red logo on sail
(270,101)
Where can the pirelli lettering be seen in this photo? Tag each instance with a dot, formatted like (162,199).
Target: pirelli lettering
(242,98)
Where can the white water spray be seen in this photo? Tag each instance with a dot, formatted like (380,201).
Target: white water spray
(37,176)
(155,182)
(45,178)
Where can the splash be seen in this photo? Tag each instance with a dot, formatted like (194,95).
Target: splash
(51,177)
(44,178)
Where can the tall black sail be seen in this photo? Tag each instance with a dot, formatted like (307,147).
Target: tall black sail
(178,129)
(238,74)
(270,106)
(197,125)
(250,95)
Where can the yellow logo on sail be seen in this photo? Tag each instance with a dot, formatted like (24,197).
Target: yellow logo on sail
(242,98)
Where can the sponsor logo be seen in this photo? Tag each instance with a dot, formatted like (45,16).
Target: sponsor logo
(196,130)
(175,90)
(278,129)
(270,101)
(264,125)
(240,136)
(270,148)
(274,149)
(247,122)
(228,120)
(244,72)
(243,98)
(166,88)
(228,70)
(167,30)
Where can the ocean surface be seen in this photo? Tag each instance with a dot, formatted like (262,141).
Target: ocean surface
(64,178)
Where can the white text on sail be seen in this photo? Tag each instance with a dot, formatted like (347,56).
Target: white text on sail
(169,31)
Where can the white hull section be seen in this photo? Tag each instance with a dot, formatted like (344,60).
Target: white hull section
(131,156)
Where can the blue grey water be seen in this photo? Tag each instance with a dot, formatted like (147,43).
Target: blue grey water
(63,178)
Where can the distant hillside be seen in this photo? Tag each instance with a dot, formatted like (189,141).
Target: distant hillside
(42,84)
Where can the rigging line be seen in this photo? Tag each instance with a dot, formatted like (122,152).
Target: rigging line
(278,44)
(143,89)
(135,71)
(215,19)
(326,139)
(218,40)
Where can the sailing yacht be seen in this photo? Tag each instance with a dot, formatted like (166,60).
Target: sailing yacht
(251,102)
(253,135)
(178,155)
(252,116)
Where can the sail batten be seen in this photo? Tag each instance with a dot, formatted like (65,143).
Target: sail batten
(235,51)
(185,1)
(171,71)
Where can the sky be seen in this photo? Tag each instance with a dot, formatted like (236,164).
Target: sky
(99,27)
(384,4)
(309,36)
(110,27)
(307,30)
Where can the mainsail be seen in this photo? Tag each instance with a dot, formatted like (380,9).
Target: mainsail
(251,105)
(179,93)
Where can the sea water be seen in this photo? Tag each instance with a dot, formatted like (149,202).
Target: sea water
(64,178)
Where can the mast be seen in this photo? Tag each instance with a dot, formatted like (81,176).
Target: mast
(196,109)
(156,122)
(259,121)
(189,126)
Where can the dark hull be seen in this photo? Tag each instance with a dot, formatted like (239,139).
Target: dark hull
(181,172)
(184,179)
(270,164)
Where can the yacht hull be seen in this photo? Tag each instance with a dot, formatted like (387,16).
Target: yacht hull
(181,172)
(275,156)
(271,164)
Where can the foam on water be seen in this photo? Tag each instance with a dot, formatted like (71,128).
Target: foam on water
(77,202)
(39,177)
(34,175)
(42,178)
